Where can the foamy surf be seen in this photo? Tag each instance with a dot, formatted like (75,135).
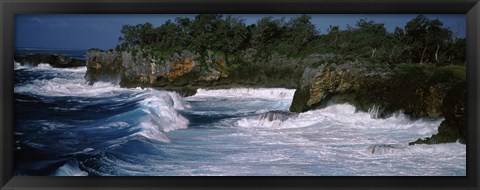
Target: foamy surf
(48,67)
(265,93)
(346,115)
(71,168)
(452,149)
(162,114)
(18,66)
(115,131)
(160,108)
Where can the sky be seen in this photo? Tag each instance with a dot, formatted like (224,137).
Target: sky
(84,31)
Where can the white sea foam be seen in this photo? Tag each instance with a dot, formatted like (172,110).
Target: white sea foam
(265,93)
(43,66)
(152,131)
(272,119)
(73,69)
(382,149)
(336,140)
(435,150)
(69,82)
(17,66)
(453,149)
(48,67)
(345,115)
(259,123)
(68,87)
(70,169)
(162,115)
(161,106)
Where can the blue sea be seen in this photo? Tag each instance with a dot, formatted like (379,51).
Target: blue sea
(65,127)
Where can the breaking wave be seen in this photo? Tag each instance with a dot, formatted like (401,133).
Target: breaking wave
(71,168)
(265,93)
(103,129)
(345,115)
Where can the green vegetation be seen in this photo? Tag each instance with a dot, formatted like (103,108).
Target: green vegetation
(420,41)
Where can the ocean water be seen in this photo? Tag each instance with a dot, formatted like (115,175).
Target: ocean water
(73,53)
(65,127)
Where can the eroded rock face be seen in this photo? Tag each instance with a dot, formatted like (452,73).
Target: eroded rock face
(180,67)
(454,127)
(56,61)
(417,92)
(104,66)
(330,80)
(189,70)
(391,89)
(140,70)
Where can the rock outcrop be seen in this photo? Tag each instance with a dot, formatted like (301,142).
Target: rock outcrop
(454,127)
(138,70)
(56,61)
(418,91)
(187,70)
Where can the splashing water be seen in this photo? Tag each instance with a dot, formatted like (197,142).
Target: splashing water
(66,127)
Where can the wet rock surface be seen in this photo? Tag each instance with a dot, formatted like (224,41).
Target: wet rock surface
(416,90)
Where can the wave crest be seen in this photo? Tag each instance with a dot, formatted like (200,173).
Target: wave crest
(270,93)
(162,115)
(71,168)
(271,119)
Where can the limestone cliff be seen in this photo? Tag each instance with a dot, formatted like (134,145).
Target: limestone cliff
(454,127)
(139,70)
(416,90)
(188,70)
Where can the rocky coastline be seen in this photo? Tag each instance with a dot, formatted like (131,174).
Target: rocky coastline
(185,72)
(419,91)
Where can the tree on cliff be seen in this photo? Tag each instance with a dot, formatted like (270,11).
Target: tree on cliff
(300,31)
(372,36)
(266,34)
(428,40)
(421,40)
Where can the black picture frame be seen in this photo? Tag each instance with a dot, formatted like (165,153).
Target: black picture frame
(8,8)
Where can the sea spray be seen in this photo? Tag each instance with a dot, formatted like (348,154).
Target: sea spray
(162,116)
(124,132)
(345,115)
(270,93)
(70,168)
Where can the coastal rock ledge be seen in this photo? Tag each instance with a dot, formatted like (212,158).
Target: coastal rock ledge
(186,71)
(418,91)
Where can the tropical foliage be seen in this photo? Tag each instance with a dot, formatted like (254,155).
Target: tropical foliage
(420,41)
